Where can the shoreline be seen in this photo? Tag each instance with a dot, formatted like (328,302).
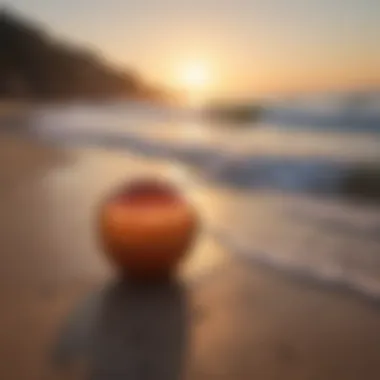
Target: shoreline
(245,321)
(337,278)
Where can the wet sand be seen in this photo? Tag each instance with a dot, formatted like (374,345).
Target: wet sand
(241,321)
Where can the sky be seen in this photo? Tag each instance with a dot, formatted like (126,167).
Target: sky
(244,48)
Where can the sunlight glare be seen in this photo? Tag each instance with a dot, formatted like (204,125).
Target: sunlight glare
(194,77)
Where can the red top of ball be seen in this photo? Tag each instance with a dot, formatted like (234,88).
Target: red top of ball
(147,192)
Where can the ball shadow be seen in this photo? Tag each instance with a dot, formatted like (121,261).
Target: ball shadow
(134,331)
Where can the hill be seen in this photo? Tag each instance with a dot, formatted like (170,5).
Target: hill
(35,65)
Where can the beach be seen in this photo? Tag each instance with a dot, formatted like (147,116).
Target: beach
(243,319)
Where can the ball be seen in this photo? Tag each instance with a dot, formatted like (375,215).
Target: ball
(146,228)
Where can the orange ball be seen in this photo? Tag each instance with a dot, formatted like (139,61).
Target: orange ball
(146,228)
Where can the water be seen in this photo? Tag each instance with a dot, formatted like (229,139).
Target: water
(340,111)
(295,199)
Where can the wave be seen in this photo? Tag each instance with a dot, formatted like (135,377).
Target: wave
(286,209)
(222,160)
(354,112)
(298,239)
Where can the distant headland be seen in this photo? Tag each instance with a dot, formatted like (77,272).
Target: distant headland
(34,65)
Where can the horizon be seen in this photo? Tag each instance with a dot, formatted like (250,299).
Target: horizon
(313,47)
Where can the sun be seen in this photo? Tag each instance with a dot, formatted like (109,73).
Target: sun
(194,77)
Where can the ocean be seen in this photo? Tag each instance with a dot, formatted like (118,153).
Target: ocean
(298,192)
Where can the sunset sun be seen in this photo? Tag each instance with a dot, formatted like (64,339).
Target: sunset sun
(195,79)
(195,76)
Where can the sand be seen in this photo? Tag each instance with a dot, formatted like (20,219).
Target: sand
(226,318)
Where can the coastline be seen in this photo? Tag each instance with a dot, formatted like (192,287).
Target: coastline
(245,321)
